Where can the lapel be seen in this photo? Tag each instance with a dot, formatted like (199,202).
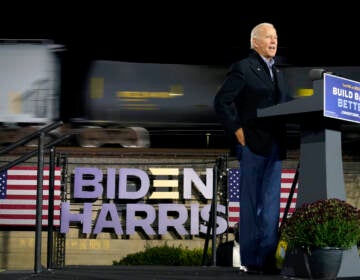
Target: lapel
(276,73)
(259,68)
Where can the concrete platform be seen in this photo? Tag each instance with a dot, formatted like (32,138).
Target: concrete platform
(142,273)
(136,273)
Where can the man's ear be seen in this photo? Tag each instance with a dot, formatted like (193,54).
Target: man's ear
(254,42)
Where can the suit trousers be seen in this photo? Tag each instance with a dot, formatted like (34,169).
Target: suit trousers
(260,183)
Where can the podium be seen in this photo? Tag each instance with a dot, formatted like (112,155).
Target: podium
(321,169)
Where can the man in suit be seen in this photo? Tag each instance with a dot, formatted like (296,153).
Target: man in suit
(253,83)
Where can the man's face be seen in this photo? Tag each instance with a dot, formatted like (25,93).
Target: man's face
(265,42)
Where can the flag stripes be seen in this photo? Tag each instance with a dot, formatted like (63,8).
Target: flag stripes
(19,193)
(287,177)
(233,196)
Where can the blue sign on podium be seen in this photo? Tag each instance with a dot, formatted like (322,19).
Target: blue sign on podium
(341,98)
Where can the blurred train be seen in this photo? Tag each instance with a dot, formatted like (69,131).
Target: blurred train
(29,86)
(122,103)
(153,100)
(129,104)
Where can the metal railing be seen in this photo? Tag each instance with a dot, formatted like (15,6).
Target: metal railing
(219,176)
(40,134)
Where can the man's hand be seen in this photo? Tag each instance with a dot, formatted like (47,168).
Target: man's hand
(240,136)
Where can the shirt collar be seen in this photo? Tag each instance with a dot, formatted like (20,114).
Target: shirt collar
(270,62)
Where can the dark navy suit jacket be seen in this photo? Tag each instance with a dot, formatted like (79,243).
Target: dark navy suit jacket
(247,87)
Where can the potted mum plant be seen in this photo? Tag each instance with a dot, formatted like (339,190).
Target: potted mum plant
(326,226)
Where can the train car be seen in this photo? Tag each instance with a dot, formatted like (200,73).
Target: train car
(157,103)
(29,86)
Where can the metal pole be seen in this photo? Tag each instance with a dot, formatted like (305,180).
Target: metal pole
(218,177)
(211,224)
(213,214)
(39,198)
(51,209)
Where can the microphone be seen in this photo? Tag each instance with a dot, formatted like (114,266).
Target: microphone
(316,74)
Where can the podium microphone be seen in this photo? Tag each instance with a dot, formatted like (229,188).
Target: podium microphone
(316,74)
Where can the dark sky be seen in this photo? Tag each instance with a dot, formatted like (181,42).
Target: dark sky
(173,33)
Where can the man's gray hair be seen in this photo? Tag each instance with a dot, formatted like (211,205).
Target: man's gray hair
(255,32)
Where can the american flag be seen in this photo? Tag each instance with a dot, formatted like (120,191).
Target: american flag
(234,196)
(18,189)
(287,177)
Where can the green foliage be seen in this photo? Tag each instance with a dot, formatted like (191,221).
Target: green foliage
(164,255)
(323,223)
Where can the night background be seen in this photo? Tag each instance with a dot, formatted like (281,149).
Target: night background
(174,33)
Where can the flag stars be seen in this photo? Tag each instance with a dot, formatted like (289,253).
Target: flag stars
(3,185)
(234,183)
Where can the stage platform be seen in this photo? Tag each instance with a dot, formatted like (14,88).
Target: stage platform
(141,273)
